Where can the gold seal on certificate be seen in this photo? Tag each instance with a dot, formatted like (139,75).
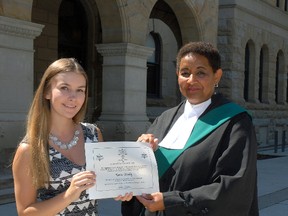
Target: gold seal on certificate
(121,167)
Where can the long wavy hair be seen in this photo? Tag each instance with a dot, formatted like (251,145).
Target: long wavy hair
(38,121)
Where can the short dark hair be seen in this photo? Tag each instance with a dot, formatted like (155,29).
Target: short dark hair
(201,48)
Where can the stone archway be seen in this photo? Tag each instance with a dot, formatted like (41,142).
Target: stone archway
(125,28)
(123,22)
(46,46)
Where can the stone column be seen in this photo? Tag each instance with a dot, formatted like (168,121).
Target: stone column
(123,114)
(16,79)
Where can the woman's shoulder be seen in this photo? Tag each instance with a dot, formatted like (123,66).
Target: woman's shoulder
(88,125)
(22,155)
(90,131)
(23,148)
(171,112)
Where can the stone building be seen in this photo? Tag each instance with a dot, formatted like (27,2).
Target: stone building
(128,49)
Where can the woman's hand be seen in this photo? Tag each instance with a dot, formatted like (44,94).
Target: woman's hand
(149,138)
(126,197)
(152,202)
(80,182)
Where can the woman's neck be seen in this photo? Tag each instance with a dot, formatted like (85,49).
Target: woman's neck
(63,126)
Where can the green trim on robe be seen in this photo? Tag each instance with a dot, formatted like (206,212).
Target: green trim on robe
(205,125)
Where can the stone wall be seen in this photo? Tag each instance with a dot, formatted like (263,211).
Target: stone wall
(230,26)
(248,25)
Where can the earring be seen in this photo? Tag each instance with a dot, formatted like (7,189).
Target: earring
(216,85)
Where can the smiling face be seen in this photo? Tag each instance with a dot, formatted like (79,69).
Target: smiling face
(196,78)
(66,94)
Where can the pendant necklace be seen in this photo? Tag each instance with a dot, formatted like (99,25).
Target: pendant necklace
(62,145)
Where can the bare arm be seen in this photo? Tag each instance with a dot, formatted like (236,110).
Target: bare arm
(26,193)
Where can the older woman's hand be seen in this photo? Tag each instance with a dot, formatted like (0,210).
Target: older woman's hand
(149,138)
(126,197)
(153,202)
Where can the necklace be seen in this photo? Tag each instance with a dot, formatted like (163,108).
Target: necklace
(65,146)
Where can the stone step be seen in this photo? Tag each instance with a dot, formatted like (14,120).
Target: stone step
(6,189)
(273,198)
(6,182)
(7,196)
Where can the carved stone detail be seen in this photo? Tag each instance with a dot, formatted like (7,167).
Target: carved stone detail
(124,49)
(19,28)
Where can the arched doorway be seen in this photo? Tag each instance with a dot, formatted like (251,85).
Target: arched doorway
(74,41)
(71,29)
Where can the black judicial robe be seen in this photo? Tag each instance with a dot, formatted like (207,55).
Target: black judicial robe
(216,176)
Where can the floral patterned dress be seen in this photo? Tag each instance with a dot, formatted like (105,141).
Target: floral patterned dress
(62,171)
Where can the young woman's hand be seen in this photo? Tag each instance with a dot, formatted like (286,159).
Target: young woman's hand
(80,182)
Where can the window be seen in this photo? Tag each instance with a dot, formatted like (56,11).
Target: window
(287,87)
(153,67)
(246,73)
(260,77)
(250,87)
(72,28)
(264,74)
(280,78)
(277,80)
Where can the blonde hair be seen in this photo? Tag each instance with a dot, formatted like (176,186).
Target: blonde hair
(38,122)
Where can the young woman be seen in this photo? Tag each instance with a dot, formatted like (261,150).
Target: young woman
(49,164)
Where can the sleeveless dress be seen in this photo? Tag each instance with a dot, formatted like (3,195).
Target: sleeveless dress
(62,171)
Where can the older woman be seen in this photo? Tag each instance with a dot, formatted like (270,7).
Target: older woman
(207,147)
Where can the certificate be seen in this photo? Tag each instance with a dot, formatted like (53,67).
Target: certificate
(121,167)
